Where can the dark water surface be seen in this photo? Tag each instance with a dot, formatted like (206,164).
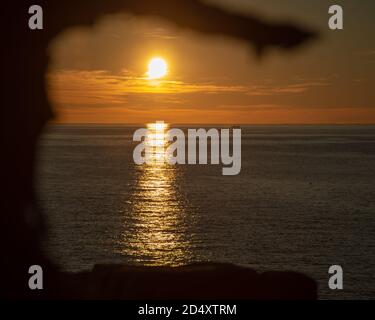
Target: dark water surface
(304,200)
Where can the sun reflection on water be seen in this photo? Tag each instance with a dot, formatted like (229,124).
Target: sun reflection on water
(156,233)
(157,140)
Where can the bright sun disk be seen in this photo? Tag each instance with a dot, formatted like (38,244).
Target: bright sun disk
(157,68)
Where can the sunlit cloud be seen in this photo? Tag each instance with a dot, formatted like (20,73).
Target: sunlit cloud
(263,90)
(100,96)
(100,88)
(72,87)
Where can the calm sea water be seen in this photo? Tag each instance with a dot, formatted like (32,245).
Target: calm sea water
(304,200)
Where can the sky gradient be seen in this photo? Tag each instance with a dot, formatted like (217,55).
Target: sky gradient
(97,75)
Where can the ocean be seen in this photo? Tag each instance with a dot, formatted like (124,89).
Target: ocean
(304,200)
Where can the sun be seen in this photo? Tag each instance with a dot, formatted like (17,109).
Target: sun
(157,68)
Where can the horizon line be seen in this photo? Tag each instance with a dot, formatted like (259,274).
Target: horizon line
(210,124)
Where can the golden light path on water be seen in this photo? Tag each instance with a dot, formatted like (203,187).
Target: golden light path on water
(157,233)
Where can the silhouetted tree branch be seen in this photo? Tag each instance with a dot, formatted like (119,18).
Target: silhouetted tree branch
(190,14)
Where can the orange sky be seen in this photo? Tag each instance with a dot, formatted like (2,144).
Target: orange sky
(97,75)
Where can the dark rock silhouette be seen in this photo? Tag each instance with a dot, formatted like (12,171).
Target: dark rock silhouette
(198,281)
(25,110)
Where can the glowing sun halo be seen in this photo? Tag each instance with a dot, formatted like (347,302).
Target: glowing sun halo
(157,68)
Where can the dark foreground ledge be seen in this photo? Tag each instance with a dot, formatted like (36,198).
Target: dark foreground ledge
(193,282)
